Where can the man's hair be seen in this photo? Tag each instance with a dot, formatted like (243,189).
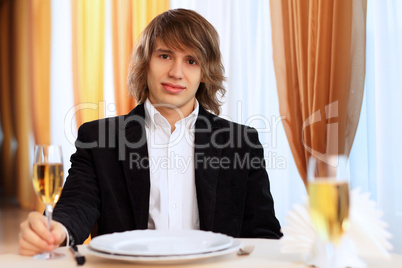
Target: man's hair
(180,29)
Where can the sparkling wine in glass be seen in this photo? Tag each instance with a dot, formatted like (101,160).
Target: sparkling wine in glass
(328,191)
(48,179)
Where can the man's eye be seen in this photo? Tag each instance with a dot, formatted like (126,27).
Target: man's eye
(192,62)
(164,56)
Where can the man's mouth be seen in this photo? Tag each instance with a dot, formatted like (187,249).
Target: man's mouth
(172,88)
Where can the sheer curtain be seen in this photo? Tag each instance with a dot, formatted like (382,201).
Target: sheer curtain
(374,160)
(63,124)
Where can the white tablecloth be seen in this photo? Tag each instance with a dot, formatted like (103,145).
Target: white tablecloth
(266,254)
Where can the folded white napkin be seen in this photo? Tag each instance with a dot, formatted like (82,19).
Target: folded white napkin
(367,235)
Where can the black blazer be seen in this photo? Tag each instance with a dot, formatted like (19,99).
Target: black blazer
(109,180)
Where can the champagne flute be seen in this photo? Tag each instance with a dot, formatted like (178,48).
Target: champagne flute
(328,191)
(48,178)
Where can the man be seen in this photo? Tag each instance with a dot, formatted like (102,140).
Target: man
(169,163)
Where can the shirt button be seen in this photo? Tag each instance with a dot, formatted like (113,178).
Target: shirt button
(174,206)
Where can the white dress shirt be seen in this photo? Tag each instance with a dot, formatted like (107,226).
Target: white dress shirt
(173,200)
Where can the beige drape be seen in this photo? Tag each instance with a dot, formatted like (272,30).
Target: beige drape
(25,74)
(7,157)
(25,86)
(21,105)
(319,60)
(39,70)
(122,43)
(39,28)
(129,18)
(88,27)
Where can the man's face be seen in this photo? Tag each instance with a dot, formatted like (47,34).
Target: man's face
(173,78)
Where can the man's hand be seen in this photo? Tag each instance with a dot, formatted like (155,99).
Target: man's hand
(35,238)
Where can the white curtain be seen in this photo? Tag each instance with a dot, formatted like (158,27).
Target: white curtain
(245,32)
(375,162)
(63,130)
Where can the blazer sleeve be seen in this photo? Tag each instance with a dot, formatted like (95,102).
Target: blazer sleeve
(259,218)
(78,206)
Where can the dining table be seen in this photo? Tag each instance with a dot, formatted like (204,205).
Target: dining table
(267,253)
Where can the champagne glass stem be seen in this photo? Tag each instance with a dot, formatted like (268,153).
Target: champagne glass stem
(49,212)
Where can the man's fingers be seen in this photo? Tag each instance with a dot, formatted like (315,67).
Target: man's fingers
(37,223)
(35,237)
(29,240)
(58,232)
(26,247)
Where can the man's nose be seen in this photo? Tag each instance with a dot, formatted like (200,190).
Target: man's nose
(176,70)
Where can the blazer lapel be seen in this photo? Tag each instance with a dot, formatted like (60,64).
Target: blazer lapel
(134,153)
(206,177)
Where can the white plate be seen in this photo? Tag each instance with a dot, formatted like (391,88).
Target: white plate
(160,242)
(236,244)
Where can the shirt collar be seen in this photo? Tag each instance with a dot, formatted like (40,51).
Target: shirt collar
(154,118)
